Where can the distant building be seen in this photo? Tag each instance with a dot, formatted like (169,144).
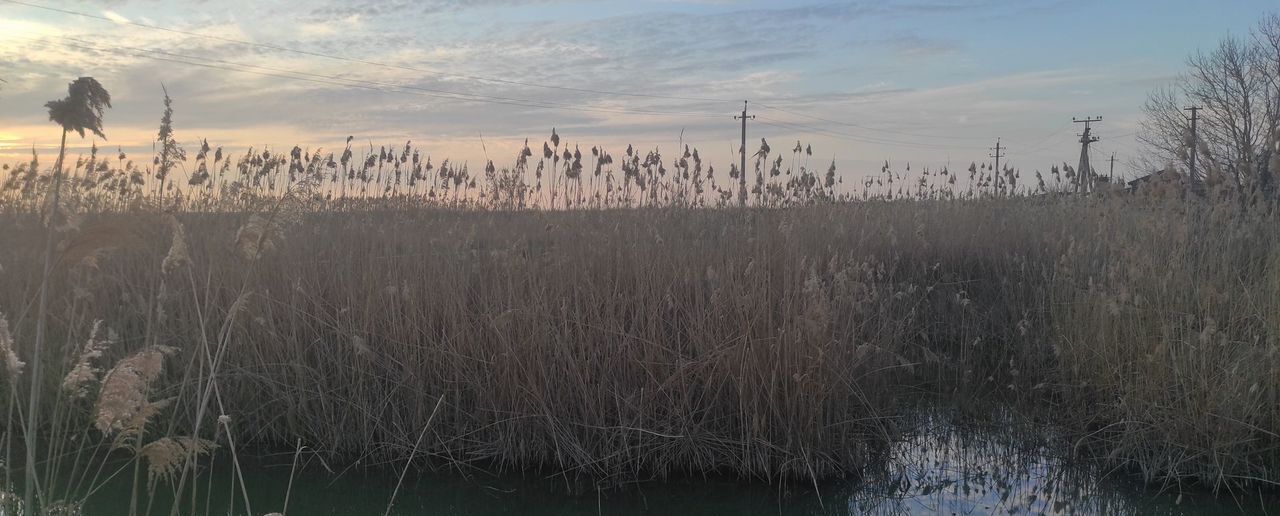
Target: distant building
(1165,183)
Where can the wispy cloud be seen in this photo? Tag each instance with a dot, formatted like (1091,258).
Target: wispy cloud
(914,66)
(115,17)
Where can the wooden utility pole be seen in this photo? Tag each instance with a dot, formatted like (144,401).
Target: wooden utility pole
(1112,174)
(1195,117)
(999,153)
(742,172)
(1084,174)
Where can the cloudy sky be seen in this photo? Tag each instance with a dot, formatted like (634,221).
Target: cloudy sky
(928,82)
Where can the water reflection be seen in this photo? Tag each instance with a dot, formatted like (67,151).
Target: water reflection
(1002,466)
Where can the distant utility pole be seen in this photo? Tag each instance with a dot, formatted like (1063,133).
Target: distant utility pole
(1195,117)
(742,172)
(1084,175)
(997,154)
(1112,175)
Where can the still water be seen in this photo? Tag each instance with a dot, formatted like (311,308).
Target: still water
(941,467)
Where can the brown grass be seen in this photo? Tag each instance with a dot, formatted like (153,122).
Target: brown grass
(770,343)
(478,323)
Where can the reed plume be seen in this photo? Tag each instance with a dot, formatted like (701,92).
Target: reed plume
(12,364)
(84,373)
(122,403)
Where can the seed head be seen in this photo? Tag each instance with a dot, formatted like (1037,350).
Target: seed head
(84,373)
(178,251)
(122,402)
(12,364)
(166,455)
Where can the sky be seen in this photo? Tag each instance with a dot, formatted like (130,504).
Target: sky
(929,83)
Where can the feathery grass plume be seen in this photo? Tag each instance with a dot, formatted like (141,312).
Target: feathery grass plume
(178,251)
(85,373)
(166,455)
(136,425)
(123,397)
(171,154)
(258,235)
(83,108)
(11,362)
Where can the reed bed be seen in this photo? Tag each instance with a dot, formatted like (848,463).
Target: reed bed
(652,326)
(625,343)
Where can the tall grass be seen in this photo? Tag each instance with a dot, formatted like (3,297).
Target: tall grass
(660,332)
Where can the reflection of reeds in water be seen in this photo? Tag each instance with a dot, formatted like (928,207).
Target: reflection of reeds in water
(1004,464)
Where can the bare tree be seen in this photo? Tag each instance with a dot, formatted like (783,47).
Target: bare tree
(1163,131)
(1267,39)
(1236,84)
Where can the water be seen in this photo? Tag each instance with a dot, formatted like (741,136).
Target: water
(942,467)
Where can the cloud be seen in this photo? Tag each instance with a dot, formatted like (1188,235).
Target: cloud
(113,16)
(876,63)
(328,10)
(913,45)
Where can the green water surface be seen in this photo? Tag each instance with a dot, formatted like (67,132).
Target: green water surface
(940,468)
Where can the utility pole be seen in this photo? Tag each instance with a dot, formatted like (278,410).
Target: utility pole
(1112,175)
(995,184)
(1195,142)
(1084,175)
(742,172)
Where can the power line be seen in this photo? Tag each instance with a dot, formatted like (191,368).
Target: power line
(850,124)
(852,137)
(1045,141)
(356,83)
(279,48)
(1039,145)
(789,126)
(811,129)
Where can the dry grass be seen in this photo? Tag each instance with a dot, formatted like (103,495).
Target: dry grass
(378,308)
(1173,342)
(769,343)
